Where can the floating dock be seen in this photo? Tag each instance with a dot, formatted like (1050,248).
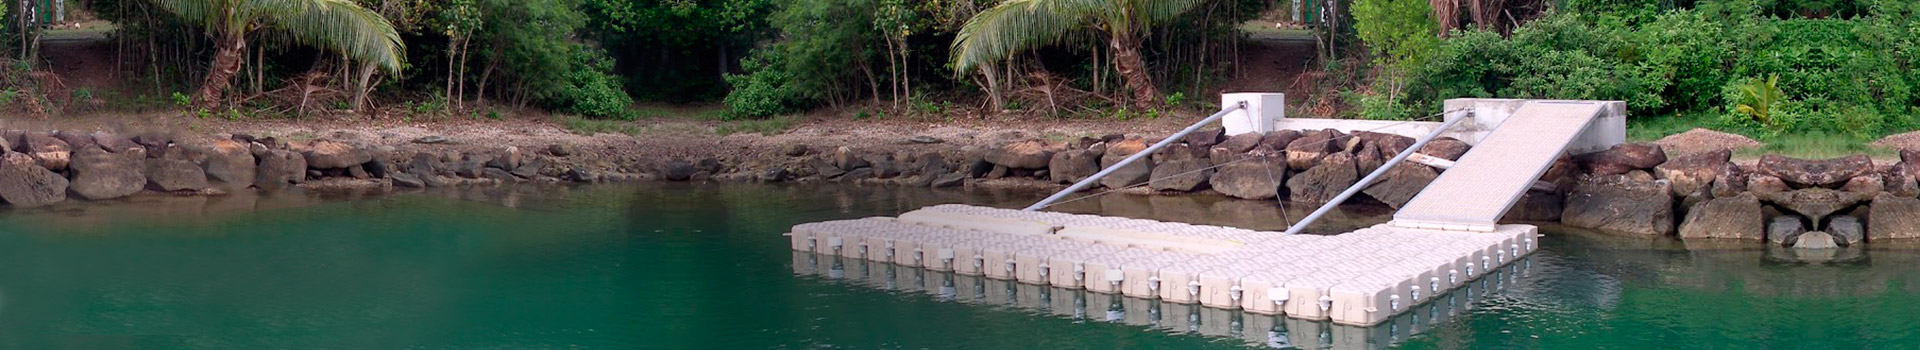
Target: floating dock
(1360,278)
(1254,329)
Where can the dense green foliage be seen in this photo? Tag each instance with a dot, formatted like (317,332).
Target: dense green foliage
(1853,75)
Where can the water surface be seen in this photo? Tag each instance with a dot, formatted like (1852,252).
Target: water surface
(669,266)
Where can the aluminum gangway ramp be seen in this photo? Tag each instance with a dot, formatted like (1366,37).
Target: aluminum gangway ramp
(1485,182)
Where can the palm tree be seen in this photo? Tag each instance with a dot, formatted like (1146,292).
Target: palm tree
(337,25)
(1018,25)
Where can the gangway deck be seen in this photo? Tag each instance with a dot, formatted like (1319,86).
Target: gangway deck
(1485,182)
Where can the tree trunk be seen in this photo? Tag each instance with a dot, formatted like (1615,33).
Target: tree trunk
(365,86)
(993,89)
(226,62)
(1133,68)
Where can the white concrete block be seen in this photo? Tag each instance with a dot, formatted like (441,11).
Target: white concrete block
(1262,111)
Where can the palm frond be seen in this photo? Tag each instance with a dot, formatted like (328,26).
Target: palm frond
(1149,13)
(1018,25)
(338,25)
(200,12)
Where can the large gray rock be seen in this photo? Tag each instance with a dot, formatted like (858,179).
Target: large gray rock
(1306,151)
(1400,184)
(1241,143)
(1445,148)
(1815,240)
(1828,173)
(1323,182)
(1891,217)
(1136,173)
(1867,186)
(1278,140)
(1846,230)
(100,175)
(1737,217)
(1536,206)
(23,183)
(1029,154)
(171,175)
(47,151)
(117,144)
(1617,204)
(1389,144)
(1815,203)
(1782,230)
(329,154)
(682,170)
(1623,158)
(948,180)
(1182,175)
(1254,179)
(1073,166)
(846,158)
(279,168)
(1694,173)
(75,139)
(230,165)
(407,180)
(1765,185)
(1205,138)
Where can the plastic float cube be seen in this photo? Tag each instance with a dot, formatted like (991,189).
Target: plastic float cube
(1104,273)
(1069,269)
(802,241)
(1180,281)
(1263,293)
(1363,301)
(999,261)
(906,252)
(1307,298)
(1142,278)
(1223,287)
(1030,264)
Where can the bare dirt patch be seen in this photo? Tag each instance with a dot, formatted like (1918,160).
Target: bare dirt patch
(1903,141)
(1702,140)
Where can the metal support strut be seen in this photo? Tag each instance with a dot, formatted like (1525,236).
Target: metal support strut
(1090,180)
(1357,186)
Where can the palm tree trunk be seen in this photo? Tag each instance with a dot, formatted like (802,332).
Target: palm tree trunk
(1133,68)
(226,63)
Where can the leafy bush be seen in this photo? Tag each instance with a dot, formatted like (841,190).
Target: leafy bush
(766,92)
(592,90)
(1852,76)
(1396,31)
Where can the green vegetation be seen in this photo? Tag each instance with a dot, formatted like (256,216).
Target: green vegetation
(337,25)
(1771,69)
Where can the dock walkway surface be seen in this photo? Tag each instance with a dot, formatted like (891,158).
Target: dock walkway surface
(1485,182)
(1357,278)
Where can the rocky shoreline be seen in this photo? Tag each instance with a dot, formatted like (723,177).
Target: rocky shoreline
(1630,189)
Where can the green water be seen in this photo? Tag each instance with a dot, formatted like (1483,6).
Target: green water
(705,267)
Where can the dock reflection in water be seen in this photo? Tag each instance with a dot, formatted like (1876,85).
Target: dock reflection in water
(1270,331)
